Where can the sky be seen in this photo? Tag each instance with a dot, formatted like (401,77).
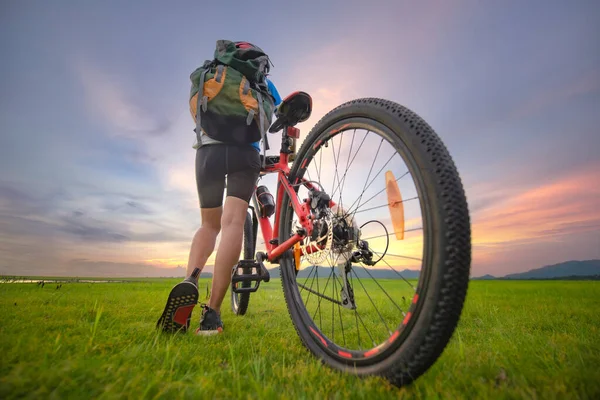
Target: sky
(96,158)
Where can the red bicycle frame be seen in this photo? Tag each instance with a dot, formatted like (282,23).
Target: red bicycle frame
(301,208)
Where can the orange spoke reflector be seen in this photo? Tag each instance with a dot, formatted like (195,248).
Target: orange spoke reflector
(395,204)
(297,251)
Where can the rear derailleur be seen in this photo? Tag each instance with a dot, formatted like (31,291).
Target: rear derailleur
(361,255)
(347,294)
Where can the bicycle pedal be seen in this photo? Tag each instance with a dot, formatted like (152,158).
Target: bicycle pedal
(258,273)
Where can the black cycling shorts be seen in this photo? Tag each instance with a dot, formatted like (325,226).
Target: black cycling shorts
(215,162)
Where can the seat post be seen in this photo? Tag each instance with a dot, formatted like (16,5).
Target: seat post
(286,141)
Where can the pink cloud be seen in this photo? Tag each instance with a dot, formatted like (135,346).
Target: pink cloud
(542,217)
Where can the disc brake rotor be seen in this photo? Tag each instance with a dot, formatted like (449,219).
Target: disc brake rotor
(316,247)
(334,234)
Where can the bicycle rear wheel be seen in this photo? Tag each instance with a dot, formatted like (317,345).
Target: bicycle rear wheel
(378,315)
(240,301)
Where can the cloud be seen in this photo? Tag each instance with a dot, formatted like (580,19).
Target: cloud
(549,214)
(89,230)
(121,219)
(543,212)
(39,229)
(107,99)
(163,137)
(129,207)
(557,94)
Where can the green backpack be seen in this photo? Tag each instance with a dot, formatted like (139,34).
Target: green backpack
(235,106)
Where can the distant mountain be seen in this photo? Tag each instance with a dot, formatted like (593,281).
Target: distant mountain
(564,269)
(360,272)
(485,277)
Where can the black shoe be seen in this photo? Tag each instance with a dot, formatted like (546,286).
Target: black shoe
(211,323)
(177,314)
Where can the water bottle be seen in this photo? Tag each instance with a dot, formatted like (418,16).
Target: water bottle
(266,203)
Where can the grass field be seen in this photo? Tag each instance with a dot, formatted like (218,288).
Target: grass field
(97,340)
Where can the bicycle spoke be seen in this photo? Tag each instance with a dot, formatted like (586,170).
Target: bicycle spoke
(335,161)
(368,176)
(393,233)
(396,255)
(314,165)
(345,172)
(370,183)
(351,162)
(334,301)
(384,291)
(320,164)
(358,314)
(373,303)
(319,302)
(309,274)
(340,315)
(332,264)
(309,178)
(356,317)
(399,274)
(366,329)
(317,171)
(313,282)
(381,191)
(333,288)
(384,205)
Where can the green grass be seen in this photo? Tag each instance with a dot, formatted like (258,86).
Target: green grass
(97,340)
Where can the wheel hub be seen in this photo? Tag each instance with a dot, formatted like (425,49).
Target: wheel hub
(345,233)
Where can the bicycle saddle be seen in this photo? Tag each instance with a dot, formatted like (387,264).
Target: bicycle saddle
(293,109)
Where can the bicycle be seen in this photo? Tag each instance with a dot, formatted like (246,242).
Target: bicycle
(313,225)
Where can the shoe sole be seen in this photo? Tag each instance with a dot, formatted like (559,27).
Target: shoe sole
(178,310)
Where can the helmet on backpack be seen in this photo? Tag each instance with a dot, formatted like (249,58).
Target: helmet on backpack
(247,51)
(245,45)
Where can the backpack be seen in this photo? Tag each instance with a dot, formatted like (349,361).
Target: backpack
(235,106)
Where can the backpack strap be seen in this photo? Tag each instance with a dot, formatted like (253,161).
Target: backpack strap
(245,91)
(220,71)
(263,132)
(201,103)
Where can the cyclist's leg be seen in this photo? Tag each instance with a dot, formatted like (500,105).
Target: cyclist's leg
(203,243)
(210,179)
(243,168)
(230,245)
